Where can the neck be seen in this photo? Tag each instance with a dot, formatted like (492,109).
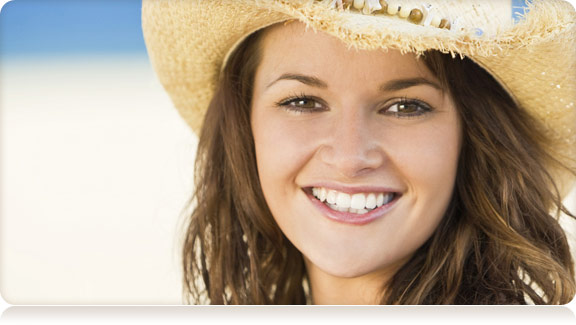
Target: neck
(327,289)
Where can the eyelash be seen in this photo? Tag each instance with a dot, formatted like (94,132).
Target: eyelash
(288,104)
(423,108)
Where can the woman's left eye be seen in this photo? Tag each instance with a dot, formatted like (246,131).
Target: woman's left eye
(407,108)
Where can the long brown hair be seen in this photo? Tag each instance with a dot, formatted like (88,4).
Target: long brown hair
(497,243)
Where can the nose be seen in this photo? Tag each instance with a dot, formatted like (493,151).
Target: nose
(352,149)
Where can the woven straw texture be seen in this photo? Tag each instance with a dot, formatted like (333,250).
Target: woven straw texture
(535,59)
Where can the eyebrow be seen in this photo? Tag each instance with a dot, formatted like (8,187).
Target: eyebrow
(393,85)
(307,80)
(399,84)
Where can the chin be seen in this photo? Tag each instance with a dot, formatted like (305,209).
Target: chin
(350,273)
(351,267)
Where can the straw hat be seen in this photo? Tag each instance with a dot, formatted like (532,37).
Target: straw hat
(531,50)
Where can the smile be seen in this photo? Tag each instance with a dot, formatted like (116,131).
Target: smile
(357,207)
(359,203)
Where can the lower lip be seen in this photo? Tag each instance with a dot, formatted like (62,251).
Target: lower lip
(353,218)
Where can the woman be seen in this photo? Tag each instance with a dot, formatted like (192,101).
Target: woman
(330,171)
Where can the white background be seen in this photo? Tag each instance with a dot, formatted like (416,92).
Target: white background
(96,166)
(95,169)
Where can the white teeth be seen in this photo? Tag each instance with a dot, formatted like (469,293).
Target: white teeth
(371,201)
(343,200)
(354,203)
(388,197)
(322,195)
(331,197)
(380,199)
(350,210)
(358,201)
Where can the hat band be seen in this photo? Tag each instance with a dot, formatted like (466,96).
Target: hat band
(425,14)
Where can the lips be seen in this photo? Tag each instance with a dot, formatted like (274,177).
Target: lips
(352,206)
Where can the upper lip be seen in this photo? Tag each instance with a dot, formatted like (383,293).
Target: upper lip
(352,189)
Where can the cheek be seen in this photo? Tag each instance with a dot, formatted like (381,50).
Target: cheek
(428,162)
(431,158)
(427,153)
(282,151)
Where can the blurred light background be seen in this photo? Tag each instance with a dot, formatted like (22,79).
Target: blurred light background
(95,164)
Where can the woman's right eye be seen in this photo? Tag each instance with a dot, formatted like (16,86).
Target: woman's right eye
(301,104)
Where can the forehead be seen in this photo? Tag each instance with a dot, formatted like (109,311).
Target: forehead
(291,46)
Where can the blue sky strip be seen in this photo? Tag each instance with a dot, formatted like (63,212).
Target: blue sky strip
(39,27)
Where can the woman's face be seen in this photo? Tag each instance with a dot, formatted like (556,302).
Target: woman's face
(357,150)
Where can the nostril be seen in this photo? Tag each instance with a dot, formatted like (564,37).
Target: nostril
(352,161)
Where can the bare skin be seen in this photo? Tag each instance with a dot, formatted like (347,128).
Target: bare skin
(325,117)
